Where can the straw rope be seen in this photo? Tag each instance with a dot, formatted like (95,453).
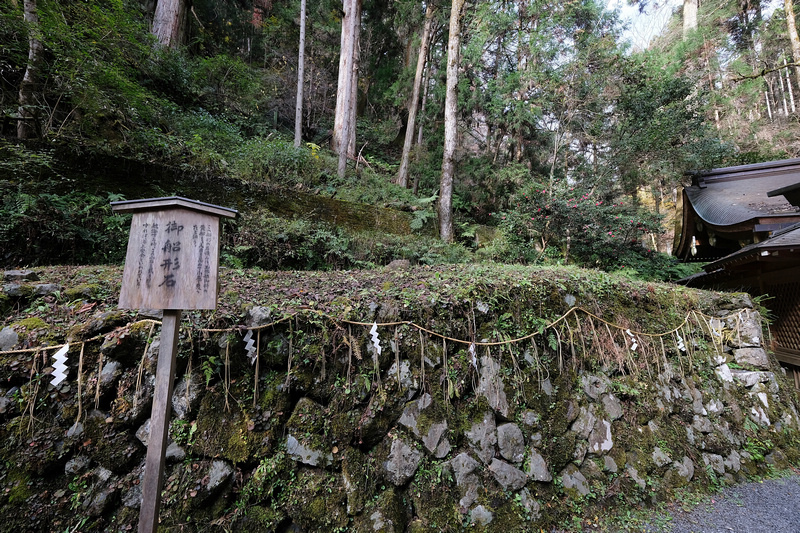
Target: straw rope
(240,328)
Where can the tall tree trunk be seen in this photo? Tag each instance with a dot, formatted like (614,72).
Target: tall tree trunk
(523,59)
(450,124)
(343,127)
(690,16)
(402,173)
(345,56)
(353,108)
(26,125)
(298,108)
(169,22)
(789,85)
(791,25)
(426,81)
(426,77)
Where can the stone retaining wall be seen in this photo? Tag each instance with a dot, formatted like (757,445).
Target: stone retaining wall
(420,437)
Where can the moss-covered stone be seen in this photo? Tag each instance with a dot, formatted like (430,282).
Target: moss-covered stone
(99,323)
(337,403)
(386,513)
(6,303)
(259,519)
(222,432)
(316,501)
(30,324)
(436,503)
(128,345)
(85,291)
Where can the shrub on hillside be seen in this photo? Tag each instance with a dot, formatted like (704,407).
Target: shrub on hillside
(571,224)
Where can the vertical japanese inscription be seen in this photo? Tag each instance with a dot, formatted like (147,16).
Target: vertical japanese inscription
(142,252)
(152,246)
(202,235)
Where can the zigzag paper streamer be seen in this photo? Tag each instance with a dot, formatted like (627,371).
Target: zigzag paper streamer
(681,345)
(375,340)
(472,355)
(250,346)
(60,366)
(634,345)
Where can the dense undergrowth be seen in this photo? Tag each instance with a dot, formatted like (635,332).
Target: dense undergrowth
(52,212)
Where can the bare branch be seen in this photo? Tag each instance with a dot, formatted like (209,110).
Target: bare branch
(763,72)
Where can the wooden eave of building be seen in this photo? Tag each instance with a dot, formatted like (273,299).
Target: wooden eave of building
(777,257)
(733,203)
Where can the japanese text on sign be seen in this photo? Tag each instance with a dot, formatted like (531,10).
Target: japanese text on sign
(175,256)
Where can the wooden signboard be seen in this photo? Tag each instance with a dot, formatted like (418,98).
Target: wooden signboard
(171,264)
(173,254)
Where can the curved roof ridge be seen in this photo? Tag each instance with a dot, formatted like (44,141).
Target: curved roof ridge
(732,195)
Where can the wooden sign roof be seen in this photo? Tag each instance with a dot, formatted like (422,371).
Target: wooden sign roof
(172,260)
(155,204)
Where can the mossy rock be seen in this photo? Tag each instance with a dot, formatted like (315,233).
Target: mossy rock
(436,504)
(99,323)
(316,501)
(221,432)
(345,426)
(127,347)
(511,515)
(189,496)
(6,304)
(310,423)
(31,323)
(358,472)
(86,291)
(19,292)
(117,452)
(259,519)
(386,513)
(16,486)
(45,453)
(269,417)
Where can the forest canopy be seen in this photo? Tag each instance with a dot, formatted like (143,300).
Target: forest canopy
(532,120)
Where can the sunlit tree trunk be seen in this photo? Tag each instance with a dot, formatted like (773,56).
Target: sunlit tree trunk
(788,7)
(789,85)
(344,120)
(298,108)
(345,56)
(353,106)
(690,16)
(169,22)
(402,173)
(26,126)
(450,124)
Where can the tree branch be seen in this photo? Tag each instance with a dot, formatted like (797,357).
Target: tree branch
(763,72)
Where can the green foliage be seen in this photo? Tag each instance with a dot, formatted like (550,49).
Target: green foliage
(574,224)
(553,101)
(274,243)
(268,481)
(661,129)
(274,161)
(424,212)
(278,244)
(51,228)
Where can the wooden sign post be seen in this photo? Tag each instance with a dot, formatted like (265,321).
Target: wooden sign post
(171,264)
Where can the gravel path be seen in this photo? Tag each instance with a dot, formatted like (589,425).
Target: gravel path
(771,506)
